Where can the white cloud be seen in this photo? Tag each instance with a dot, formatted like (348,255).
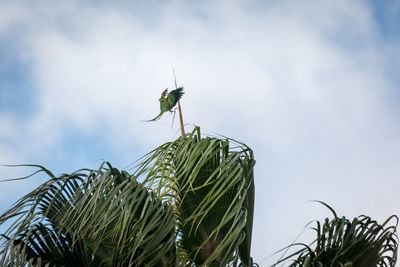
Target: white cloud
(305,85)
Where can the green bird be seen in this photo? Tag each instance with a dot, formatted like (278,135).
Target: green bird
(167,102)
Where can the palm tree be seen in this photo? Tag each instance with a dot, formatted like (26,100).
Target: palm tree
(211,187)
(89,218)
(360,242)
(189,202)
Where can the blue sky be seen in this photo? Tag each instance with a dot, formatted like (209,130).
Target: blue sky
(311,86)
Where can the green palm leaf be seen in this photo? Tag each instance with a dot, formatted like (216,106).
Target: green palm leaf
(340,242)
(193,207)
(211,185)
(89,218)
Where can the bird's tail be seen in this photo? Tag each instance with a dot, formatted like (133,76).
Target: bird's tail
(156,118)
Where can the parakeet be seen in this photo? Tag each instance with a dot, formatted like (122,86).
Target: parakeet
(167,102)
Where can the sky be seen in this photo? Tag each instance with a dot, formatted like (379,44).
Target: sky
(312,87)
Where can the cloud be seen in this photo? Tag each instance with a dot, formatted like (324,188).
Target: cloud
(309,86)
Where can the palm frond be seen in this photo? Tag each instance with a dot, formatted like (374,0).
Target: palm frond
(211,186)
(91,217)
(189,202)
(341,242)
